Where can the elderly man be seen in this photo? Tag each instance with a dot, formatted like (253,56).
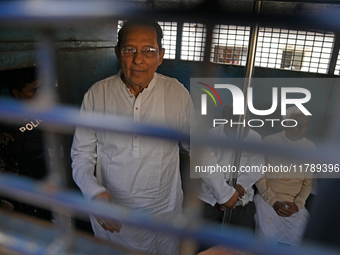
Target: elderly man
(243,214)
(280,212)
(137,172)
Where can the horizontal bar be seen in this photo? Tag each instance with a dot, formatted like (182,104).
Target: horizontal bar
(39,194)
(43,13)
(64,119)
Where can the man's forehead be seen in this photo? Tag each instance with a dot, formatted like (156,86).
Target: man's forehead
(300,117)
(136,28)
(33,84)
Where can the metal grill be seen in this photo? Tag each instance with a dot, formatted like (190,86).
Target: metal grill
(337,66)
(307,51)
(230,44)
(169,38)
(193,41)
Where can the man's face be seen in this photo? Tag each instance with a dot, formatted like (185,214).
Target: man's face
(233,130)
(139,70)
(27,92)
(299,131)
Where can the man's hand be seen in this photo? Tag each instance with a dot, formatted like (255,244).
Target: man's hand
(231,203)
(5,138)
(241,191)
(281,210)
(7,168)
(107,224)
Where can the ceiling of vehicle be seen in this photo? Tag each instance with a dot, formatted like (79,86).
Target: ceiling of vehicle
(242,6)
(317,14)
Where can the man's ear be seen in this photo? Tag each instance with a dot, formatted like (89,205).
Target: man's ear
(15,93)
(117,51)
(161,55)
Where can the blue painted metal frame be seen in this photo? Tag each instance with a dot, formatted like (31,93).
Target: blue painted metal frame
(64,119)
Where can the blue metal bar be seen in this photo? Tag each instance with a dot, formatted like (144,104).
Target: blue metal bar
(74,203)
(65,119)
(43,13)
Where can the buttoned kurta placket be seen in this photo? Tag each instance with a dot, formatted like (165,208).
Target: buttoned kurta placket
(136,120)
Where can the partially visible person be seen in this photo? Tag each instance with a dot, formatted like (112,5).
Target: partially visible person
(23,143)
(281,215)
(243,214)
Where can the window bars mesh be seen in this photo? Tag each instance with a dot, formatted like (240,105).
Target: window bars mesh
(193,41)
(169,37)
(307,51)
(230,44)
(337,66)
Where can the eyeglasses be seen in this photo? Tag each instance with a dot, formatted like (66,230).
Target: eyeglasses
(148,52)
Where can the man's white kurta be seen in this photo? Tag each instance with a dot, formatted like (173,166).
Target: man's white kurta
(139,172)
(250,162)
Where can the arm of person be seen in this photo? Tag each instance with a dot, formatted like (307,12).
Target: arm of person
(84,159)
(213,183)
(224,194)
(265,191)
(254,163)
(107,224)
(5,138)
(84,154)
(306,188)
(248,178)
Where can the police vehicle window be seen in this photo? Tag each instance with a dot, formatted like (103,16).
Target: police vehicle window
(230,44)
(337,66)
(169,37)
(193,41)
(307,51)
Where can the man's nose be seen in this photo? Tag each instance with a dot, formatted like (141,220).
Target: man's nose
(138,57)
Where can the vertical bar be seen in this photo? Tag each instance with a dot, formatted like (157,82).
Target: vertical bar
(179,39)
(254,30)
(208,42)
(63,242)
(335,54)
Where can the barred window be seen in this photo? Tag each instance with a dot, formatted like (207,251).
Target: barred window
(337,66)
(193,41)
(169,38)
(308,51)
(230,44)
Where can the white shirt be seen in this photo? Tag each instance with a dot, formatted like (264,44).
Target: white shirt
(224,157)
(139,172)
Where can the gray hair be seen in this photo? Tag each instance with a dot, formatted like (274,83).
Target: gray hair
(293,110)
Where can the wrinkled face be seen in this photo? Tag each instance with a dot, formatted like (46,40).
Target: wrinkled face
(27,92)
(299,131)
(138,70)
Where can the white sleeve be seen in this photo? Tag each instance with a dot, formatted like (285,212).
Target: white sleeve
(216,182)
(213,185)
(84,155)
(255,161)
